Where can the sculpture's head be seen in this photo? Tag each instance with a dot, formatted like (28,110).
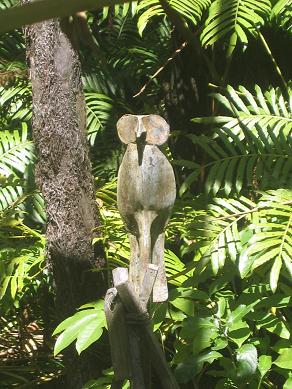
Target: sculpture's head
(150,129)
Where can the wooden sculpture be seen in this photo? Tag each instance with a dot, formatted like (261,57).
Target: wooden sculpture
(146,194)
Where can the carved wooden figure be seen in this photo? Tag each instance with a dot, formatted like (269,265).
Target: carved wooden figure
(146,194)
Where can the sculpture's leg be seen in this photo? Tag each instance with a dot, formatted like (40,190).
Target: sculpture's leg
(144,220)
(160,290)
(134,275)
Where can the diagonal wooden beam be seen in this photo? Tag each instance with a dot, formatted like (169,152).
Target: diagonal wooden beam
(40,10)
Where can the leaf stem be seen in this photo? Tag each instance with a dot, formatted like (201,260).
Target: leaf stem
(272,58)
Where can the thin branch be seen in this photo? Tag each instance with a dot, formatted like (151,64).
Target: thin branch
(177,51)
(272,58)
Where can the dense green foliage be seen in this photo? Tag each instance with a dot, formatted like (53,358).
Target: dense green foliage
(209,68)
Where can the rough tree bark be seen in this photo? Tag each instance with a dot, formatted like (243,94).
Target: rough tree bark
(63,174)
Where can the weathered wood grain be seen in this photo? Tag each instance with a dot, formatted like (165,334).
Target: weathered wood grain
(144,330)
(146,194)
(118,335)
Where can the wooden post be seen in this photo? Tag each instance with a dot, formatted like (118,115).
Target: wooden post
(133,305)
(118,335)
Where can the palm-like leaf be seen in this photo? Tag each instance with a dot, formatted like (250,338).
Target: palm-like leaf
(11,195)
(234,19)
(252,145)
(272,236)
(218,230)
(12,51)
(175,269)
(99,108)
(113,236)
(282,15)
(19,266)
(15,102)
(16,151)
(250,235)
(120,10)
(190,10)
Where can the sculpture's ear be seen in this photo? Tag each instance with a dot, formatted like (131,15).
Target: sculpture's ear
(127,127)
(157,129)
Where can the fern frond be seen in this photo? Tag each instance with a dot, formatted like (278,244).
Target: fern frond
(190,10)
(234,19)
(253,145)
(8,4)
(272,236)
(19,266)
(15,101)
(16,151)
(120,10)
(11,199)
(114,236)
(99,108)
(282,15)
(218,231)
(175,268)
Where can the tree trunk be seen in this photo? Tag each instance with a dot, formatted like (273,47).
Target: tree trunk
(63,174)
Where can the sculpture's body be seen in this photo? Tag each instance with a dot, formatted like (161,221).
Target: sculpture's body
(146,194)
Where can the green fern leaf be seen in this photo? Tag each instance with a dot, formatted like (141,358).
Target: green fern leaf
(222,238)
(190,10)
(16,151)
(230,18)
(99,108)
(252,145)
(272,236)
(282,15)
(11,195)
(175,268)
(17,99)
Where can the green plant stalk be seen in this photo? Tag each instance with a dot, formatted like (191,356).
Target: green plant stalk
(272,58)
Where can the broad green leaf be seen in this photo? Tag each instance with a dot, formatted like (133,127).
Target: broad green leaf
(239,332)
(90,332)
(185,371)
(69,321)
(98,305)
(247,360)
(203,339)
(71,332)
(65,339)
(274,325)
(192,325)
(288,383)
(219,344)
(159,312)
(238,314)
(265,363)
(209,357)
(284,360)
(183,304)
(281,345)
(221,307)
